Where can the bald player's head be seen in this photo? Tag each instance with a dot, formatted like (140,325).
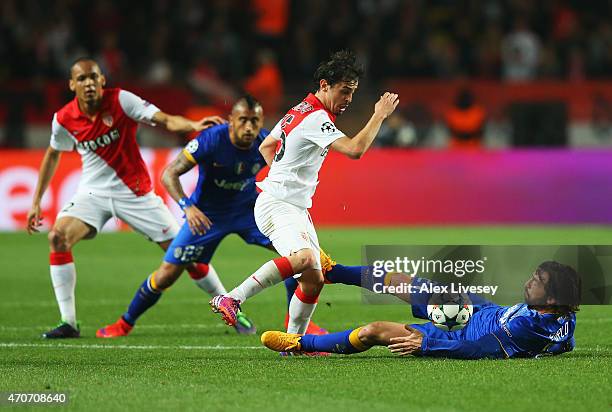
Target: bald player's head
(245,121)
(86,80)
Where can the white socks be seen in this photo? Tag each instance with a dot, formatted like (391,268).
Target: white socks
(63,278)
(269,274)
(301,309)
(211,283)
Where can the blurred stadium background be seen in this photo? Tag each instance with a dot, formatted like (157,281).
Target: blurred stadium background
(505,116)
(503,136)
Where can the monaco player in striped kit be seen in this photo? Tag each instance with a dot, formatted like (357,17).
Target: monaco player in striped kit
(101,125)
(295,151)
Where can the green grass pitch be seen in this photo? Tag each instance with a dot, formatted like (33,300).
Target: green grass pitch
(180,356)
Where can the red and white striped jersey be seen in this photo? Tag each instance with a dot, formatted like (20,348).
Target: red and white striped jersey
(305,134)
(112,164)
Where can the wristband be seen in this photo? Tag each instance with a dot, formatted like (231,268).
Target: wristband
(185,202)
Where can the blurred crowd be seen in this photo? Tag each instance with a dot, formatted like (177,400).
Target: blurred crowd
(270,48)
(219,44)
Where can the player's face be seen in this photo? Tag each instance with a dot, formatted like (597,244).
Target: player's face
(340,96)
(244,125)
(535,289)
(87,81)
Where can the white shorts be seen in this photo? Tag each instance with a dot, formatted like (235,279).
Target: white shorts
(289,227)
(145,214)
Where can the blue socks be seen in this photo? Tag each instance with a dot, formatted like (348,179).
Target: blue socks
(347,275)
(291,285)
(145,297)
(346,342)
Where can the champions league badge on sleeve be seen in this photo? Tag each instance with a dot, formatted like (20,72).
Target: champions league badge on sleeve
(328,127)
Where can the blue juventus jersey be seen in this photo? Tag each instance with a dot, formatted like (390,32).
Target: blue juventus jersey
(521,331)
(500,332)
(226,183)
(496,331)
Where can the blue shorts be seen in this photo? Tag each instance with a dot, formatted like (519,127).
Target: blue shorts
(187,247)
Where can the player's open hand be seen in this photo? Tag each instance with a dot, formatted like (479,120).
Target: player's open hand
(407,345)
(198,222)
(34,219)
(387,104)
(208,121)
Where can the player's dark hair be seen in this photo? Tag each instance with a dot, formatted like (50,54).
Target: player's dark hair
(250,102)
(342,66)
(80,59)
(564,285)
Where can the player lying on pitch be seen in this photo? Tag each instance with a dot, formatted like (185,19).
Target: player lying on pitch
(545,324)
(228,159)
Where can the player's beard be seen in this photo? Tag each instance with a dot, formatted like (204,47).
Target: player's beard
(244,143)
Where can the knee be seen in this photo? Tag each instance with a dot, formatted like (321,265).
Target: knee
(305,260)
(372,333)
(58,241)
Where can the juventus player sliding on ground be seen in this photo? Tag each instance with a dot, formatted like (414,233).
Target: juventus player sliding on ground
(101,125)
(295,149)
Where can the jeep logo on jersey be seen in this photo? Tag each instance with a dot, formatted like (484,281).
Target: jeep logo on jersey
(100,141)
(256,168)
(328,127)
(107,119)
(224,184)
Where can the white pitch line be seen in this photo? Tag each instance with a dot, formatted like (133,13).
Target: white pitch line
(170,326)
(220,325)
(97,302)
(132,347)
(183,347)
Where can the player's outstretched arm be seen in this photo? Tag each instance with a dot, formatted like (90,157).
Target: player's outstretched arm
(198,222)
(180,124)
(356,147)
(488,346)
(46,172)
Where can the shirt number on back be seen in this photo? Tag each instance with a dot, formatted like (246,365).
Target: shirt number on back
(280,150)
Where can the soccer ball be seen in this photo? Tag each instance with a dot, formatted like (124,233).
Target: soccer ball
(450,312)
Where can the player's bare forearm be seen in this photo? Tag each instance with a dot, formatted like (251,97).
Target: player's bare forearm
(175,124)
(363,140)
(172,173)
(268,149)
(180,124)
(46,172)
(356,147)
